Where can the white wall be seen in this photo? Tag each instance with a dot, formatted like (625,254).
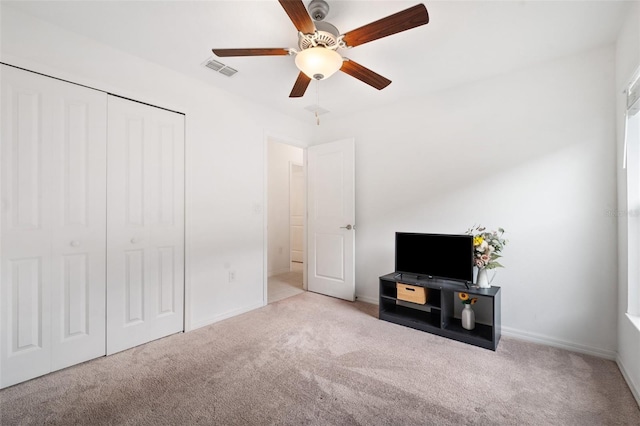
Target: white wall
(530,151)
(627,61)
(224,147)
(280,158)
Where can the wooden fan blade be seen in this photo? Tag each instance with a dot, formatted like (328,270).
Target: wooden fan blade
(298,15)
(364,74)
(393,24)
(300,86)
(251,52)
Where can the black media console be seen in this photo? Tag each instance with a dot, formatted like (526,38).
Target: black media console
(437,315)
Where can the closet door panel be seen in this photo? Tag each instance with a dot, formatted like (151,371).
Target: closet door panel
(25,226)
(145,247)
(134,287)
(168,218)
(79,226)
(53,226)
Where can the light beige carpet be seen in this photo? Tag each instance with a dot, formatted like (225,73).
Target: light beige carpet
(314,360)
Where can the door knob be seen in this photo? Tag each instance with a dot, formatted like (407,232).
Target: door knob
(74,243)
(135,240)
(346,227)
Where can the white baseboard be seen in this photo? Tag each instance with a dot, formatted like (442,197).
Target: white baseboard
(367,299)
(635,390)
(228,314)
(557,343)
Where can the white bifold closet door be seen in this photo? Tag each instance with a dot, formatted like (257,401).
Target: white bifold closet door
(145,224)
(53,225)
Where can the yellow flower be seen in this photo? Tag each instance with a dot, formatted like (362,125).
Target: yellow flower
(463,296)
(477,240)
(474,300)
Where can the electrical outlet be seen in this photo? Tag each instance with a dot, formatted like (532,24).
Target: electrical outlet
(232,276)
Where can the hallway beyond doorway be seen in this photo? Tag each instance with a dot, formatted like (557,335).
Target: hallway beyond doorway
(284,285)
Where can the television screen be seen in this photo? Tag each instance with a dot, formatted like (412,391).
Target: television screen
(435,255)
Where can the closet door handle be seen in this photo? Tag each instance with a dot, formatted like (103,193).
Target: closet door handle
(75,243)
(135,240)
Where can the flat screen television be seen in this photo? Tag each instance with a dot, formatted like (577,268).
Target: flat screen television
(435,256)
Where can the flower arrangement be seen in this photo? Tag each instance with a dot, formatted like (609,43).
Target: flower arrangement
(466,300)
(487,246)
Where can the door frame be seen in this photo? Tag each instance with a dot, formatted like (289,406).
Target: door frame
(304,216)
(269,136)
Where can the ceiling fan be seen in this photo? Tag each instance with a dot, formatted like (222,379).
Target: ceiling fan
(318,41)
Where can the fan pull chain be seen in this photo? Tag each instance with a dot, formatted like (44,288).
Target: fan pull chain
(317,101)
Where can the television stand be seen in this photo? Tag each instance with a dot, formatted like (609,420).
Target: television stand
(437,316)
(399,275)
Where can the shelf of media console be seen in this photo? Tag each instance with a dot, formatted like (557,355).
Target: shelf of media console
(437,315)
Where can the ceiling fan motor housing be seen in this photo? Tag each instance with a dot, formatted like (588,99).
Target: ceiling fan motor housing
(326,35)
(318,9)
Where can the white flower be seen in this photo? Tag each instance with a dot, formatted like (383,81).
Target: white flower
(486,252)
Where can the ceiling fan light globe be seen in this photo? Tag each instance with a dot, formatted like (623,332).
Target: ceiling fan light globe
(318,63)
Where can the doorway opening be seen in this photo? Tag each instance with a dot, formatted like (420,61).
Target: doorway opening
(285,220)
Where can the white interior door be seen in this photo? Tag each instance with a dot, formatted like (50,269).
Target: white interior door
(145,224)
(26,226)
(79,238)
(331,207)
(52,236)
(296,212)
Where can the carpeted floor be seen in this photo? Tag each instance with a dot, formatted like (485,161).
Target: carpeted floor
(314,360)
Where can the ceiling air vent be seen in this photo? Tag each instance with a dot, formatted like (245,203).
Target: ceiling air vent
(316,109)
(219,67)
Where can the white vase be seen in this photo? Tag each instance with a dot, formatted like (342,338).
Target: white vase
(468,317)
(482,280)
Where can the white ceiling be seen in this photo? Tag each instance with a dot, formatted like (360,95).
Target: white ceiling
(464,41)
